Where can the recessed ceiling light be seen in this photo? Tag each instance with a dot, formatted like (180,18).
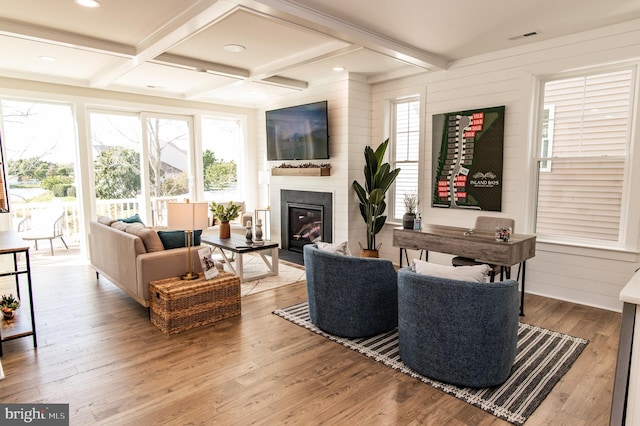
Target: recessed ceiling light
(338,69)
(88,3)
(47,58)
(235,48)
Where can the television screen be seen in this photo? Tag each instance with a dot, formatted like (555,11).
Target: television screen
(298,132)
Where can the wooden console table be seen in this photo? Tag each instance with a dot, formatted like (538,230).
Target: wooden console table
(479,245)
(11,243)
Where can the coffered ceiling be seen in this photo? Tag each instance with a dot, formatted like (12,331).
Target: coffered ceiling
(176,48)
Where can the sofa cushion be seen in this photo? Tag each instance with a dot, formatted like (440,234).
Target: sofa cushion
(177,239)
(131,219)
(120,226)
(105,220)
(342,248)
(149,237)
(476,273)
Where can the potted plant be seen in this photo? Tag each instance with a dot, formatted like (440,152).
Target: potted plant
(410,206)
(224,215)
(378,177)
(9,304)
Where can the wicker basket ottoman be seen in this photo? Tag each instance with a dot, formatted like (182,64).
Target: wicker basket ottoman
(177,305)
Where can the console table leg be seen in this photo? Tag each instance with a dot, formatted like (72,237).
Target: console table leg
(33,315)
(523,267)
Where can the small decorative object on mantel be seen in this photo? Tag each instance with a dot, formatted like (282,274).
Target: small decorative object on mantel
(9,305)
(306,169)
(410,206)
(503,234)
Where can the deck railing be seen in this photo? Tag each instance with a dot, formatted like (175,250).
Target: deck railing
(111,208)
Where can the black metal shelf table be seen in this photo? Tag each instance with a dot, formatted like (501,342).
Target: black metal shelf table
(11,243)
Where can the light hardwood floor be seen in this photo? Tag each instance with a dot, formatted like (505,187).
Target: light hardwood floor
(99,352)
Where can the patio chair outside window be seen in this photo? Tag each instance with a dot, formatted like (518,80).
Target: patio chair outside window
(43,225)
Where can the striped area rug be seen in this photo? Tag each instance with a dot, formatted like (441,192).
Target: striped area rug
(543,357)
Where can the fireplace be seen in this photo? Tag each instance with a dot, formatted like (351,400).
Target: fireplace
(306,216)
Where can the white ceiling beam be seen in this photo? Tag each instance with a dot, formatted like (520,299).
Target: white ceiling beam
(198,65)
(326,51)
(310,18)
(64,39)
(190,22)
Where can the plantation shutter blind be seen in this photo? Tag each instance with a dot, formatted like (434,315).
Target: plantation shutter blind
(406,152)
(582,175)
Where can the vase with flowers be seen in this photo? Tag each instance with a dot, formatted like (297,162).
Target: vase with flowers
(224,214)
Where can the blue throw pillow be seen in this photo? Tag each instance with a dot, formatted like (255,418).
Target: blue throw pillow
(177,239)
(132,219)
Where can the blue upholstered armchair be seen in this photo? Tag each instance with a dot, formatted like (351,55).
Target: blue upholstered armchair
(460,332)
(350,296)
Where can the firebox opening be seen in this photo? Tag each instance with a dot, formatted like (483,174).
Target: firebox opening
(305,225)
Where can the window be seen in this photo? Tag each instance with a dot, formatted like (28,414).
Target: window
(404,148)
(40,147)
(222,141)
(131,178)
(581,181)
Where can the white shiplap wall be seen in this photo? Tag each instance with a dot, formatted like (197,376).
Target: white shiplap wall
(587,276)
(349,103)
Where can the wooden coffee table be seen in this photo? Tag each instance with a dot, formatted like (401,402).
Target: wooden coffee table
(238,245)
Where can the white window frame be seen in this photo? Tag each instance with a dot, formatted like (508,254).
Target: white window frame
(629,230)
(395,206)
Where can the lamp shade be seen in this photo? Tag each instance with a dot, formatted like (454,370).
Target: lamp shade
(188,216)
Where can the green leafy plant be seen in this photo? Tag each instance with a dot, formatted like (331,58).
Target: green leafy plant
(9,303)
(222,213)
(410,203)
(378,177)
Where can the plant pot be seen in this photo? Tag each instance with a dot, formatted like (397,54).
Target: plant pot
(407,220)
(8,314)
(364,252)
(225,230)
(369,253)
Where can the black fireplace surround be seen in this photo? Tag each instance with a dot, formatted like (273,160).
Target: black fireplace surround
(305,216)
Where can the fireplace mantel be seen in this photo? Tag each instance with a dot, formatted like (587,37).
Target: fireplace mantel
(301,171)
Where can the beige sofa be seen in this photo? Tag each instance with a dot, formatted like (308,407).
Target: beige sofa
(128,255)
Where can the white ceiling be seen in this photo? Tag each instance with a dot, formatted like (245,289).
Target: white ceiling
(175,48)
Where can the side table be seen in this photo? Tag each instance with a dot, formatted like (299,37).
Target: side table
(11,243)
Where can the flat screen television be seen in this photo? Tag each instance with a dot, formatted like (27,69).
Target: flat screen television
(298,132)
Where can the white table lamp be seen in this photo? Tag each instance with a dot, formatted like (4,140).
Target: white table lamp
(188,217)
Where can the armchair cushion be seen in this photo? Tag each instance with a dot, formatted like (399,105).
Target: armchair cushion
(342,248)
(476,273)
